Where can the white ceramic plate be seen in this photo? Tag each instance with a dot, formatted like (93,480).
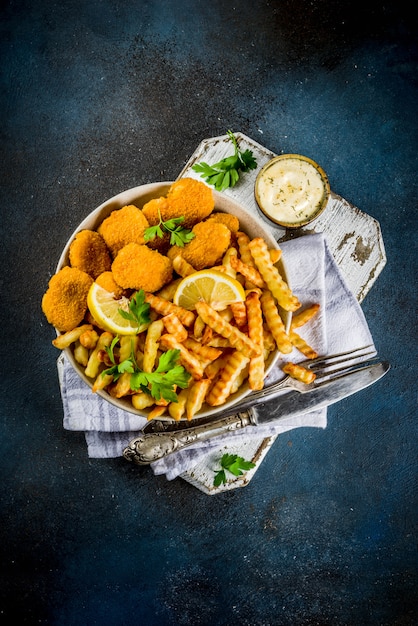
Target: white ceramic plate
(140,196)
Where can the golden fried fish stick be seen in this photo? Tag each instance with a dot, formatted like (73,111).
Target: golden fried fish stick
(299,373)
(220,391)
(255,331)
(236,338)
(164,307)
(278,287)
(275,322)
(300,319)
(302,345)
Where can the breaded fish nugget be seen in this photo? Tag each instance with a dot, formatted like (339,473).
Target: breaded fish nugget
(123,226)
(65,301)
(89,253)
(138,267)
(187,197)
(208,246)
(108,282)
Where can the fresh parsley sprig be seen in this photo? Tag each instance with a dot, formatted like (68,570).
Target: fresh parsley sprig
(226,172)
(159,384)
(179,235)
(138,310)
(231,463)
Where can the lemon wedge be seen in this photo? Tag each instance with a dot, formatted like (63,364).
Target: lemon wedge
(105,310)
(211,286)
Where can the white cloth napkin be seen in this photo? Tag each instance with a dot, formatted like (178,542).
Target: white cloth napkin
(339,326)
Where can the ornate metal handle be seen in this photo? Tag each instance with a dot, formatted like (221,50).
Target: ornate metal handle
(151,447)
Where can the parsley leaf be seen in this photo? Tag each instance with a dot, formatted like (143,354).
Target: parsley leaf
(232,463)
(225,173)
(138,310)
(179,235)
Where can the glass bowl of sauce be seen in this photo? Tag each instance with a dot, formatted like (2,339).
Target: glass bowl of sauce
(292,190)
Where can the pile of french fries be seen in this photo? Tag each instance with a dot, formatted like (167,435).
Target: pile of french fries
(221,349)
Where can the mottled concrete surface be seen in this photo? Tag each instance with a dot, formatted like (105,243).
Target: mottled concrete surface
(101,96)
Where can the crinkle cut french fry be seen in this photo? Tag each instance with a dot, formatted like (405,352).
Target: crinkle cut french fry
(212,370)
(226,261)
(94,362)
(128,344)
(175,327)
(302,345)
(239,313)
(154,332)
(207,334)
(275,254)
(164,307)
(250,273)
(198,327)
(102,381)
(237,339)
(81,354)
(176,410)
(220,391)
(240,379)
(182,267)
(156,412)
(255,331)
(196,397)
(207,352)
(89,339)
(189,361)
(243,241)
(278,287)
(300,319)
(246,257)
(64,341)
(299,373)
(275,322)
(122,387)
(167,292)
(142,401)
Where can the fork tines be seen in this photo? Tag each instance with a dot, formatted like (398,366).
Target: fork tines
(329,364)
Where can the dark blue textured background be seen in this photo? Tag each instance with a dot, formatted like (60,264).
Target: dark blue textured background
(101,96)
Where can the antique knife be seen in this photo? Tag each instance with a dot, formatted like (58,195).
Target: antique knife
(149,447)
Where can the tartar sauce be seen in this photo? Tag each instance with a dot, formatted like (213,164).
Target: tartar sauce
(291,189)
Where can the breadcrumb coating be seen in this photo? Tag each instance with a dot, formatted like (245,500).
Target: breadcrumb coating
(208,246)
(108,282)
(89,253)
(123,226)
(65,301)
(231,221)
(187,197)
(138,267)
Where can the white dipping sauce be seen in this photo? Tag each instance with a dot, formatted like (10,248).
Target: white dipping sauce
(291,190)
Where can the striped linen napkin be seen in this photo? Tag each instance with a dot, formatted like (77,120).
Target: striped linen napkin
(339,326)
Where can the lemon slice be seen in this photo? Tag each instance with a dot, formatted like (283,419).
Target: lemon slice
(105,310)
(211,286)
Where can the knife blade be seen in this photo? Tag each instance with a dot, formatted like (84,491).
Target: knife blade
(150,447)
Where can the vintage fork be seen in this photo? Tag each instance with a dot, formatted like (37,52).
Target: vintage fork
(155,443)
